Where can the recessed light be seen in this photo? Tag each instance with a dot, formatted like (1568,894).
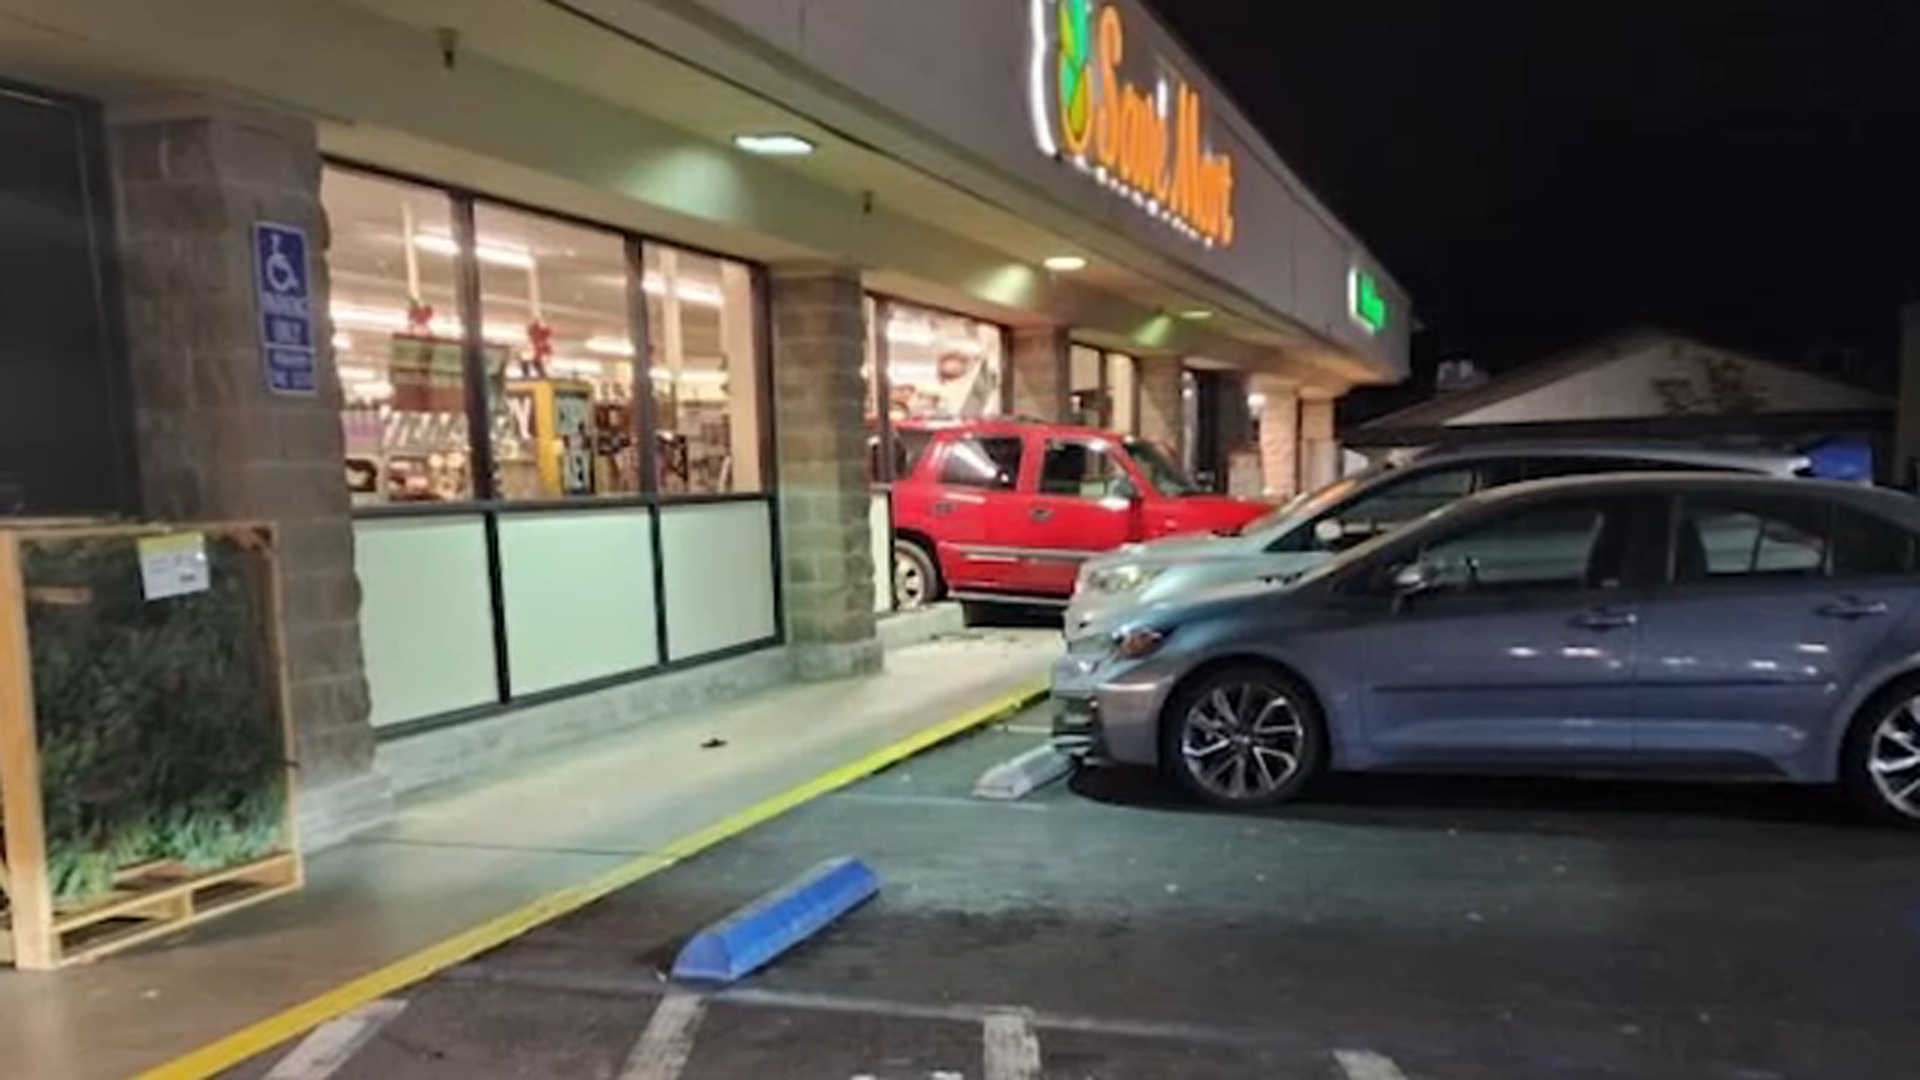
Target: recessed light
(1198,314)
(775,144)
(1065,264)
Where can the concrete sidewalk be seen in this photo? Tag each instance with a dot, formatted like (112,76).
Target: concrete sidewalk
(457,857)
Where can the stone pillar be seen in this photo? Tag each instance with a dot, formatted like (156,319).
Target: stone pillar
(1279,437)
(1042,369)
(213,443)
(1319,444)
(819,328)
(1162,411)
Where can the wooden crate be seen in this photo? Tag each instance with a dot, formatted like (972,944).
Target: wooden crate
(146,901)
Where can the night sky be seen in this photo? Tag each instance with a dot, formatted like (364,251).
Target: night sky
(1538,172)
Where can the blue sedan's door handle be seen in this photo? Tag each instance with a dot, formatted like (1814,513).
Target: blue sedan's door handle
(1606,619)
(1852,607)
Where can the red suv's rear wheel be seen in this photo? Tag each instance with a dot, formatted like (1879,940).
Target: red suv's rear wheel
(916,577)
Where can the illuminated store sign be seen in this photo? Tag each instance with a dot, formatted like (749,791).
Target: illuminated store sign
(1131,122)
(1365,304)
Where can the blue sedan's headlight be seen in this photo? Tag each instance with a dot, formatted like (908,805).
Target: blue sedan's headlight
(1122,579)
(1137,642)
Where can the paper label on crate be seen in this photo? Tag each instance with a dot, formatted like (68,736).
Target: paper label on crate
(174,565)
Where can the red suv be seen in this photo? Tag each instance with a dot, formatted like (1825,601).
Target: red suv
(1006,510)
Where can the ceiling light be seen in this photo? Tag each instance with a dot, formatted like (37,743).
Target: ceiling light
(610,346)
(690,292)
(906,333)
(1065,264)
(499,254)
(775,144)
(1198,314)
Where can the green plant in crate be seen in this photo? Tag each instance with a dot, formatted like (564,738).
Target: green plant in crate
(157,723)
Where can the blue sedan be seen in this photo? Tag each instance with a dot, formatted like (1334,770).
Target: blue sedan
(1710,625)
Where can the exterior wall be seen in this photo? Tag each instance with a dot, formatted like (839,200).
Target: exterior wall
(819,345)
(213,443)
(624,158)
(1631,386)
(963,71)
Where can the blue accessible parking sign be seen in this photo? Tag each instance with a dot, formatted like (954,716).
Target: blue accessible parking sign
(283,279)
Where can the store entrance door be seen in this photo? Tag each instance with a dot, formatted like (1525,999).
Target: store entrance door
(1220,424)
(63,427)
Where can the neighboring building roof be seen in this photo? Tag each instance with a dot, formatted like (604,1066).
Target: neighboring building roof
(1633,375)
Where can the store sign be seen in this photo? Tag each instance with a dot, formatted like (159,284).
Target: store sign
(1128,120)
(284,281)
(1366,306)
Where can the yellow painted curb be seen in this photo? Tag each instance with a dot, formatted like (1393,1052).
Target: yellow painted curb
(246,1043)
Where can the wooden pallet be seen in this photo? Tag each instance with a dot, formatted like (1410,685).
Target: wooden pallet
(158,899)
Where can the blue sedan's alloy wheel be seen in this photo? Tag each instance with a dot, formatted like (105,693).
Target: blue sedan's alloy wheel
(1892,757)
(1243,736)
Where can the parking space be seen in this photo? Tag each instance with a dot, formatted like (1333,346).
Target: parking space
(1433,929)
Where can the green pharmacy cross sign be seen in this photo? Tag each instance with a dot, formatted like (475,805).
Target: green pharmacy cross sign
(1365,305)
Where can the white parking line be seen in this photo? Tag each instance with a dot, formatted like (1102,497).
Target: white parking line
(1013,1050)
(665,1046)
(1367,1065)
(322,1053)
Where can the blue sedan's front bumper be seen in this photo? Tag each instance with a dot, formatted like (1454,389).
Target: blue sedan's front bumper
(1106,713)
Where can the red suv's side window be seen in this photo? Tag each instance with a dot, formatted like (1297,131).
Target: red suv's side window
(1081,470)
(991,463)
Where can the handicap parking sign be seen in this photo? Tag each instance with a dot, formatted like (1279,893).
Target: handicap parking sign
(284,283)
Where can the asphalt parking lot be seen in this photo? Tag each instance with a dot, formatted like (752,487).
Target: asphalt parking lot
(1431,929)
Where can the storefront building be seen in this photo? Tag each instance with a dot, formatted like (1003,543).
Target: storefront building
(566,343)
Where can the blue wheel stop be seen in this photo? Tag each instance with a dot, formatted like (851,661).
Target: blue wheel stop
(753,936)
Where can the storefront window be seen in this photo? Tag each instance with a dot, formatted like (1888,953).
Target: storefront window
(706,389)
(942,366)
(558,352)
(559,357)
(398,340)
(939,366)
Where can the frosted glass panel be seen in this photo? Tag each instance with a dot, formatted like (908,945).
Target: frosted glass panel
(578,586)
(425,621)
(880,521)
(719,573)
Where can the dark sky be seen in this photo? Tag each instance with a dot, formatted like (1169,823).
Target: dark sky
(1541,171)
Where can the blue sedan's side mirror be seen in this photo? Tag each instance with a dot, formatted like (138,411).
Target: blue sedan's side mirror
(1414,578)
(1411,580)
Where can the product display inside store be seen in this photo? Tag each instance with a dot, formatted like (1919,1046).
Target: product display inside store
(558,347)
(940,366)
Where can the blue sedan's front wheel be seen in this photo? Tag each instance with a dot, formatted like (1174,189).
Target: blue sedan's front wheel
(1881,767)
(1243,735)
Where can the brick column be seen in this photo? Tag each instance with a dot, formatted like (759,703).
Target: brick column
(1279,437)
(819,344)
(1162,411)
(1042,373)
(1319,443)
(212,442)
